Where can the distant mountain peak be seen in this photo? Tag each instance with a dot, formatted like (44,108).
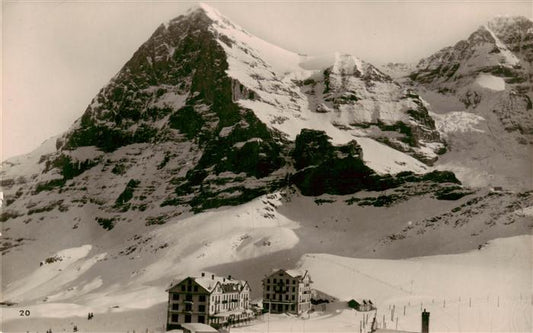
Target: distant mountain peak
(503,21)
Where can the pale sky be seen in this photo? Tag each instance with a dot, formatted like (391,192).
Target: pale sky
(58,54)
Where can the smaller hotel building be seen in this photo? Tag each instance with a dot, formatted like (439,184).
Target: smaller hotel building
(287,291)
(213,300)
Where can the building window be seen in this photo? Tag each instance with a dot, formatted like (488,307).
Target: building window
(174,318)
(201,319)
(293,289)
(268,288)
(201,308)
(189,288)
(286,297)
(188,297)
(196,288)
(293,297)
(188,318)
(275,280)
(287,281)
(201,298)
(293,281)
(188,307)
(293,307)
(175,297)
(175,307)
(182,287)
(268,280)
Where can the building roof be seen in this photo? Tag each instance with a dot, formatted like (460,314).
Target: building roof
(227,285)
(209,283)
(294,273)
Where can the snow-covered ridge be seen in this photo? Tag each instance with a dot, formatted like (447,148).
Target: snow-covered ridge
(27,164)
(347,65)
(508,57)
(279,59)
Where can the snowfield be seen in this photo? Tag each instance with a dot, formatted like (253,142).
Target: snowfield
(490,82)
(479,291)
(487,290)
(71,283)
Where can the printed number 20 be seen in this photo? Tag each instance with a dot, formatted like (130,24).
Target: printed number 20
(24,313)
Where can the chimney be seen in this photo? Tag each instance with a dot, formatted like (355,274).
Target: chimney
(223,279)
(203,274)
(212,276)
(425,322)
(229,277)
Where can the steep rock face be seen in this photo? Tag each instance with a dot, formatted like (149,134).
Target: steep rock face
(175,87)
(362,99)
(167,123)
(516,33)
(323,168)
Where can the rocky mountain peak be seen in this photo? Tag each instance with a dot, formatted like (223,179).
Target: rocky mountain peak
(350,65)
(205,114)
(496,57)
(505,25)
(516,33)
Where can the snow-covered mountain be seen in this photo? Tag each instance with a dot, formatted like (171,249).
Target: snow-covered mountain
(212,149)
(205,115)
(495,59)
(484,83)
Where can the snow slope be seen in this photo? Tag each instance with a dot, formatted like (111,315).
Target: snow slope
(445,285)
(246,241)
(479,291)
(135,273)
(279,59)
(507,261)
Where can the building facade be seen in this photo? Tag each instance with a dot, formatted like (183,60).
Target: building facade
(210,300)
(287,291)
